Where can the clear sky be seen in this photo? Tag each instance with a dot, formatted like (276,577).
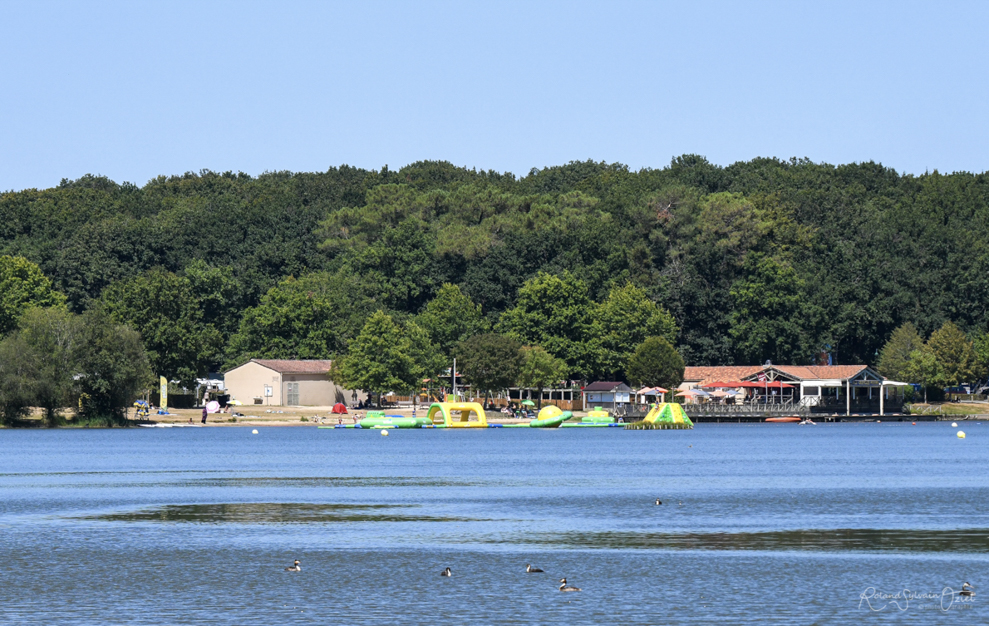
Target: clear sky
(133,90)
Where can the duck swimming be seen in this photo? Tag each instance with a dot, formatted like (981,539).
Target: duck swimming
(967,590)
(295,567)
(446,572)
(532,570)
(564,587)
(658,501)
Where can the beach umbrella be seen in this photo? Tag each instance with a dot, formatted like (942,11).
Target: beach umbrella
(235,403)
(212,406)
(528,403)
(720,393)
(339,408)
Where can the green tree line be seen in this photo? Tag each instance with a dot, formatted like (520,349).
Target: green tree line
(763,259)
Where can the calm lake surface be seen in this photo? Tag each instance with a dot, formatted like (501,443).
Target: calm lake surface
(778,524)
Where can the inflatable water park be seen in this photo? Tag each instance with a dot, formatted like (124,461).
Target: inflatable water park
(662,416)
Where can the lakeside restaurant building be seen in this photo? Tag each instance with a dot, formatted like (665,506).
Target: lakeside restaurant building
(821,388)
(279,382)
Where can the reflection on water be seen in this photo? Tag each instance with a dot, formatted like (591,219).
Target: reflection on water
(776,526)
(823,540)
(270,513)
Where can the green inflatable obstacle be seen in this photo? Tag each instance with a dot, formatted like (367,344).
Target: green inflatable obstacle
(550,417)
(668,413)
(597,416)
(378,419)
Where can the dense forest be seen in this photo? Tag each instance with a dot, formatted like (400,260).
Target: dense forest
(766,259)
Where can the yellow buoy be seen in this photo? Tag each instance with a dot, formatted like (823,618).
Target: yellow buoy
(254,432)
(961,434)
(384,433)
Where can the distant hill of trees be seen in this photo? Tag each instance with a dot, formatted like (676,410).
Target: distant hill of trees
(765,259)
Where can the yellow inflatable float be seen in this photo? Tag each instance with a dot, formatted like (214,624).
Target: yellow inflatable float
(441,414)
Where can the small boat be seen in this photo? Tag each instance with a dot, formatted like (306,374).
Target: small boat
(782,420)
(808,422)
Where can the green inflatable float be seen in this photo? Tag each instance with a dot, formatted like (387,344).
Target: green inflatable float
(378,419)
(550,417)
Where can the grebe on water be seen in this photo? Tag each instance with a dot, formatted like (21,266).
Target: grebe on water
(564,587)
(295,567)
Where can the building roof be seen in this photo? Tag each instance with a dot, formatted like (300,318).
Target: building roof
(607,386)
(719,373)
(821,372)
(285,366)
(709,374)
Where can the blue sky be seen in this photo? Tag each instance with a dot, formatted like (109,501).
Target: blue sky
(133,90)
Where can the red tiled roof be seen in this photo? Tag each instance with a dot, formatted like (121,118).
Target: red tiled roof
(718,373)
(713,373)
(286,366)
(821,372)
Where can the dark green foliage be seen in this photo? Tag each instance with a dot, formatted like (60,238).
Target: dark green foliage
(22,285)
(655,362)
(17,375)
(539,369)
(51,341)
(112,367)
(379,359)
(314,317)
(170,313)
(490,362)
(58,360)
(554,312)
(764,259)
(451,317)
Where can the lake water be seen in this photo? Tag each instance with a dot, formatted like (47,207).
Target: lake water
(779,524)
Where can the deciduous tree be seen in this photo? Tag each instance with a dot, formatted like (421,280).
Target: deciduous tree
(451,317)
(168,314)
(378,360)
(894,359)
(955,358)
(621,322)
(490,362)
(656,362)
(22,285)
(554,312)
(112,367)
(540,369)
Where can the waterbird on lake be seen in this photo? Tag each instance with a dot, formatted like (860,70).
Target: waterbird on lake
(532,570)
(295,567)
(967,590)
(658,501)
(565,587)
(446,572)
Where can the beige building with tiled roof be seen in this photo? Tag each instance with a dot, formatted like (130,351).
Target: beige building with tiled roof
(280,382)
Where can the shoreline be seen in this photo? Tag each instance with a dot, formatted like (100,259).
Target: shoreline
(254,416)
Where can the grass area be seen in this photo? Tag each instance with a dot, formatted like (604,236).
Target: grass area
(949,408)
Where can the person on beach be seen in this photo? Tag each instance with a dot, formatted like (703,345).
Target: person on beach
(204,414)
